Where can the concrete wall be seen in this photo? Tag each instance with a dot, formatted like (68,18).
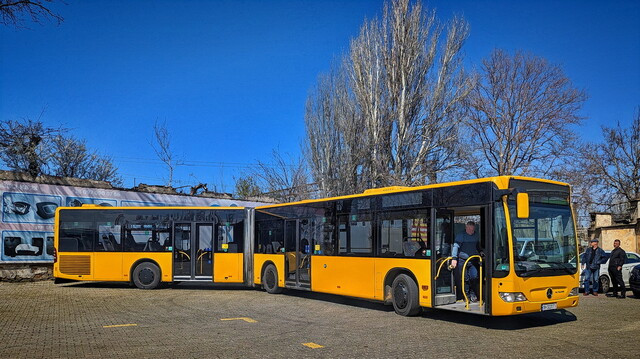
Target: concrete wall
(25,272)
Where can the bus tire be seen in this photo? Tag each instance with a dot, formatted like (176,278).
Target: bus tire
(604,284)
(146,275)
(405,296)
(270,280)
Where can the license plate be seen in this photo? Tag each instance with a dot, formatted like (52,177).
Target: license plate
(549,306)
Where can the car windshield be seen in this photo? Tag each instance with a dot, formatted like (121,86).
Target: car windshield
(544,243)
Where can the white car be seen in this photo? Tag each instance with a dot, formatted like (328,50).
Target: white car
(633,259)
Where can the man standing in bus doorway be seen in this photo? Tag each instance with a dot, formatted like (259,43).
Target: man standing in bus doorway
(591,267)
(466,245)
(616,261)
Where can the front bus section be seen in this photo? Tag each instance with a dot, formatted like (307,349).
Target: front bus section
(396,245)
(538,272)
(147,246)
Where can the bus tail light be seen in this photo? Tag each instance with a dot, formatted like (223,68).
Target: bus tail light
(512,297)
(55,255)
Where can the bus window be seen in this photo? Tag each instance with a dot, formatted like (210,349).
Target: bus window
(404,234)
(230,237)
(108,239)
(355,234)
(77,231)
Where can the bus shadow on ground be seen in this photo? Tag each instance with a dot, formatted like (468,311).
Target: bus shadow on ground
(338,299)
(522,321)
(164,286)
(515,322)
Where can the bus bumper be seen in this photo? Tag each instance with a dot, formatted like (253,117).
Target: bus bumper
(503,308)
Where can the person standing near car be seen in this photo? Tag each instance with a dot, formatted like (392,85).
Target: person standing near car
(591,267)
(616,261)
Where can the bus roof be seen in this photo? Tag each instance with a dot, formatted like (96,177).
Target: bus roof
(98,207)
(501,181)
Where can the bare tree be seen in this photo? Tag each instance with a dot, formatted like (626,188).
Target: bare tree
(70,157)
(520,116)
(284,179)
(334,144)
(614,163)
(14,12)
(393,105)
(25,144)
(162,147)
(247,186)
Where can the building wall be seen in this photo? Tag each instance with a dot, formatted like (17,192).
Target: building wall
(628,236)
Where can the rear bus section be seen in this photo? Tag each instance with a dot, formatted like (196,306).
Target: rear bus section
(147,246)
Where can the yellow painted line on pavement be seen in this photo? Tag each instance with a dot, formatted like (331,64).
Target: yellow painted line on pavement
(119,325)
(312,345)
(246,319)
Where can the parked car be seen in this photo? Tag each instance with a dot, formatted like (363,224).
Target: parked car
(633,259)
(634,281)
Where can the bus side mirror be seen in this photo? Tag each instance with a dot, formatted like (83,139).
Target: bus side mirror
(522,205)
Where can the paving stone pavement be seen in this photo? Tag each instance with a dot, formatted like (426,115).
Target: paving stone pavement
(112,320)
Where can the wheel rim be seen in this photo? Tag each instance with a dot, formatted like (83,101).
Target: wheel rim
(146,276)
(270,279)
(400,295)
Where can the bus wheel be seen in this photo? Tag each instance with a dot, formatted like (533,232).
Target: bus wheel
(270,280)
(405,296)
(604,284)
(146,275)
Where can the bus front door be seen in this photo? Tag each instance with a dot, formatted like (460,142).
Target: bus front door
(193,251)
(444,284)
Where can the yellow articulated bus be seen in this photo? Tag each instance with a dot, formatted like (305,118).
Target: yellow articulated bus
(413,247)
(150,245)
(493,246)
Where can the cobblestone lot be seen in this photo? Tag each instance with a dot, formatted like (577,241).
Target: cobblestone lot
(43,320)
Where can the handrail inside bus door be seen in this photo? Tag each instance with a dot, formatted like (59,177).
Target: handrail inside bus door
(464,268)
(442,262)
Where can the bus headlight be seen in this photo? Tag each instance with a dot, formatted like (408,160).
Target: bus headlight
(574,292)
(512,297)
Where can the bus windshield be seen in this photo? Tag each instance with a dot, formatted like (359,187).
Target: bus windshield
(545,243)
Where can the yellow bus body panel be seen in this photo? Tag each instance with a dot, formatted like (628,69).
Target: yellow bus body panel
(164,260)
(421,269)
(535,290)
(228,268)
(108,266)
(258,265)
(351,276)
(364,277)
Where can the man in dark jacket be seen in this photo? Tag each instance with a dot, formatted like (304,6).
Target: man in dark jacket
(591,267)
(616,261)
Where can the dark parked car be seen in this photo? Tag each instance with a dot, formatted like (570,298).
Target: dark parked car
(634,281)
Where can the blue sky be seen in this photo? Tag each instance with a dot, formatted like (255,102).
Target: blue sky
(231,77)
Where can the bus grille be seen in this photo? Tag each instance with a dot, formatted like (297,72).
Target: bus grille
(76,265)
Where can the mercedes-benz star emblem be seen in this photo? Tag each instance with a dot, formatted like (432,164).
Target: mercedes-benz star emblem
(549,293)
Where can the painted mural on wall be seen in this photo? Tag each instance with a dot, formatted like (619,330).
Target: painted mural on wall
(28,211)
